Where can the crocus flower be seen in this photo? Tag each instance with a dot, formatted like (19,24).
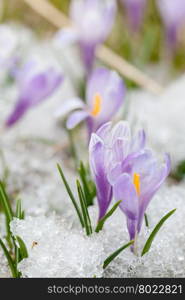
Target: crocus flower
(104,97)
(173,14)
(93,20)
(131,169)
(135,12)
(34,87)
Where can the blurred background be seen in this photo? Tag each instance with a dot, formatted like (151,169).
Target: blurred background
(145,46)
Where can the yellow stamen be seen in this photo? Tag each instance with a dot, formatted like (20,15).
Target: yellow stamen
(97,101)
(136,182)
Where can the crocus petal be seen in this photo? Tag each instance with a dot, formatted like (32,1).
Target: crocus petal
(68,106)
(139,141)
(20,109)
(135,11)
(120,130)
(104,132)
(76,118)
(123,189)
(88,14)
(66,37)
(42,86)
(109,85)
(98,167)
(159,175)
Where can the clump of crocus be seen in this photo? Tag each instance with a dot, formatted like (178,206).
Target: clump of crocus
(92,23)
(35,85)
(135,11)
(122,164)
(104,97)
(173,15)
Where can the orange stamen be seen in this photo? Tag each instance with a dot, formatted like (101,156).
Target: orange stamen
(97,101)
(136,182)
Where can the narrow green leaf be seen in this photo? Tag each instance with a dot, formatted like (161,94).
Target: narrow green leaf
(71,195)
(23,249)
(115,254)
(83,176)
(155,231)
(108,215)
(18,209)
(9,259)
(86,217)
(5,203)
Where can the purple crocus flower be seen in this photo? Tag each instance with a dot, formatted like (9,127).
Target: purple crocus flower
(35,86)
(173,15)
(93,20)
(131,169)
(104,97)
(135,12)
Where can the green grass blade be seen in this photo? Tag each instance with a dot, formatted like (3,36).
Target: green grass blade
(9,259)
(87,220)
(83,176)
(23,249)
(18,212)
(115,254)
(5,203)
(71,195)
(155,231)
(108,215)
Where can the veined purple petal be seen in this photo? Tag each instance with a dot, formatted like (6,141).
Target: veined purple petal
(76,118)
(110,87)
(68,106)
(98,168)
(123,189)
(138,142)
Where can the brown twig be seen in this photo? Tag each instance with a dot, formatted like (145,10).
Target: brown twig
(106,55)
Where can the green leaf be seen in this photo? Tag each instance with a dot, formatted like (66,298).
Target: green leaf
(71,195)
(9,259)
(109,214)
(23,249)
(87,186)
(18,209)
(155,231)
(115,254)
(83,203)
(5,203)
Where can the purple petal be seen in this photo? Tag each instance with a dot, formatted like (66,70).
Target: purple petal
(98,168)
(135,11)
(139,141)
(68,106)
(124,190)
(20,109)
(109,85)
(90,14)
(66,37)
(76,118)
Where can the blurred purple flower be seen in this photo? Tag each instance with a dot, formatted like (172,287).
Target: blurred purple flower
(104,97)
(35,87)
(173,14)
(93,20)
(135,12)
(129,167)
